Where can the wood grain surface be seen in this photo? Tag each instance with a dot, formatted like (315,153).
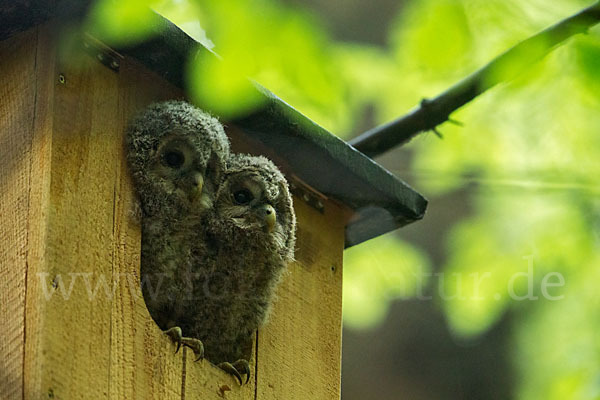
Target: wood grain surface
(75,325)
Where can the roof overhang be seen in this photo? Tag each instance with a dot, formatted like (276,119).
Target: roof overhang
(380,201)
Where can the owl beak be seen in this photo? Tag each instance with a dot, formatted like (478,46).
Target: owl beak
(198,184)
(269,215)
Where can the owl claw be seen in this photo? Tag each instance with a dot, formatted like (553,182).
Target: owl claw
(237,369)
(175,335)
(195,344)
(243,366)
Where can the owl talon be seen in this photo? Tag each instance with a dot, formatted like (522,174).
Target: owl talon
(195,344)
(237,369)
(175,335)
(243,367)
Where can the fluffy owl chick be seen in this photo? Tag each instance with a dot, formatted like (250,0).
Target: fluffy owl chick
(175,153)
(250,235)
(170,147)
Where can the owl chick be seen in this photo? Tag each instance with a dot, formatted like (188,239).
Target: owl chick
(248,240)
(175,153)
(171,147)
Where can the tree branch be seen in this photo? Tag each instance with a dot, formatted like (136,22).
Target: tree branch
(431,113)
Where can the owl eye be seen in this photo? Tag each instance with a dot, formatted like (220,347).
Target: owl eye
(242,196)
(173,158)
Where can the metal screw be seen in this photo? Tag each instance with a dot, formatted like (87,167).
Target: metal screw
(61,79)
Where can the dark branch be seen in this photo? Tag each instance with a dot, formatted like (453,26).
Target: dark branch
(430,113)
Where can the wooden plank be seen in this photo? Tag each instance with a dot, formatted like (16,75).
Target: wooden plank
(85,341)
(75,343)
(138,355)
(38,215)
(299,350)
(17,94)
(80,332)
(143,364)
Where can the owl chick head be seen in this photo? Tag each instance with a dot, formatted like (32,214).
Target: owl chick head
(176,153)
(253,199)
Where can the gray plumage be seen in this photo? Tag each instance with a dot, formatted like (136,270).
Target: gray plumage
(249,239)
(217,232)
(176,153)
(157,139)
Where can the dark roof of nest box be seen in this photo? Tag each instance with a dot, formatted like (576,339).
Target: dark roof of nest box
(380,201)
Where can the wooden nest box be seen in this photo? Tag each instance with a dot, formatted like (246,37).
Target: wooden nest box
(73,321)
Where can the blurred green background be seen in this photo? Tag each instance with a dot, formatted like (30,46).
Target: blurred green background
(492,295)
